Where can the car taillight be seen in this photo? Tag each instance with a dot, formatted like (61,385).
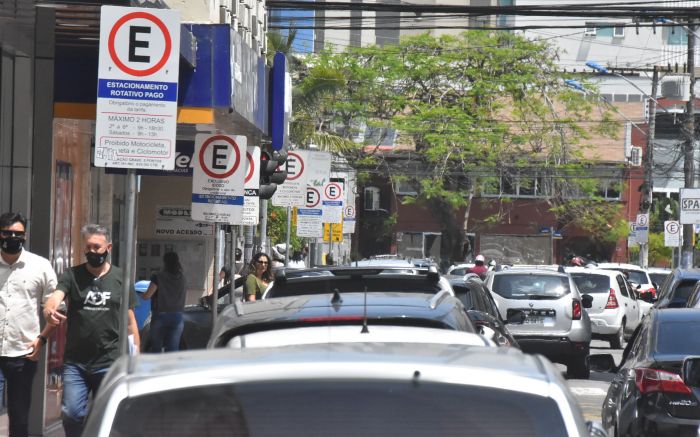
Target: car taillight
(612,301)
(652,291)
(653,380)
(576,310)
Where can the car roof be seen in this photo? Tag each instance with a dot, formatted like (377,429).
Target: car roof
(620,266)
(676,315)
(530,271)
(356,334)
(410,308)
(687,273)
(382,262)
(658,270)
(593,271)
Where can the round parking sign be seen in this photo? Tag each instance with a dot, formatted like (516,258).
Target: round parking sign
(219,156)
(139,44)
(313,197)
(333,191)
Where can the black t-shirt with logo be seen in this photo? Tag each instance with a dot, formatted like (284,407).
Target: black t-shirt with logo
(93,315)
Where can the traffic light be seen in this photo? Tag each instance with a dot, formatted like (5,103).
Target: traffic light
(273,172)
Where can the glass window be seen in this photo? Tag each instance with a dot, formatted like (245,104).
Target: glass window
(673,338)
(588,284)
(606,31)
(465,296)
(312,408)
(508,185)
(683,290)
(619,31)
(528,286)
(676,35)
(658,278)
(623,286)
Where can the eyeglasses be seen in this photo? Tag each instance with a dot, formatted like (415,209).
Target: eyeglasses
(7,234)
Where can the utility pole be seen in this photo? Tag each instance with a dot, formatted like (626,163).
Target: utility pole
(649,164)
(689,147)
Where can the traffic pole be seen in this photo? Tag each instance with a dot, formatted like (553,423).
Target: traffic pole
(128,271)
(289,232)
(648,194)
(686,260)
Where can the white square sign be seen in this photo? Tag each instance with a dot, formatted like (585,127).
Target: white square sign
(251,202)
(293,191)
(138,71)
(672,233)
(690,206)
(332,202)
(219,170)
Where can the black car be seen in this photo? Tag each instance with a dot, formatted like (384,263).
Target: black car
(481,308)
(441,310)
(648,396)
(677,288)
(346,279)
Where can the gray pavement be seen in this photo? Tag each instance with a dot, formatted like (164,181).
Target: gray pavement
(54,431)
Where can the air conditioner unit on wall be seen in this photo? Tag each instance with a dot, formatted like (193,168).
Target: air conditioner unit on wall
(636,156)
(675,88)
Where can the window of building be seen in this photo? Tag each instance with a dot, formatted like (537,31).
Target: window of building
(405,188)
(590,30)
(676,35)
(619,31)
(372,198)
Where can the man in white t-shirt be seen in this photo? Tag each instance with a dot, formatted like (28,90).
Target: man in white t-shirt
(25,279)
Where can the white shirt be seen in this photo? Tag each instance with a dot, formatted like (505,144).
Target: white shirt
(23,286)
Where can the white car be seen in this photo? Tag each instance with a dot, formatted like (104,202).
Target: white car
(616,311)
(635,274)
(372,389)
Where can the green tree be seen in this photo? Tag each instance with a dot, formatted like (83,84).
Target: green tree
(474,109)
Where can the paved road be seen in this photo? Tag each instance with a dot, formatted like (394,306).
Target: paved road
(590,393)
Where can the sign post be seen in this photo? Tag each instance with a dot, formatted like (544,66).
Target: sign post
(136,120)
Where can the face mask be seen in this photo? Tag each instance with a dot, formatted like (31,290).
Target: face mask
(11,245)
(96,259)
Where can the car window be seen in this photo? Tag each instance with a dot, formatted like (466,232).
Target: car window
(693,300)
(683,290)
(327,285)
(312,408)
(623,286)
(590,283)
(460,271)
(530,286)
(672,338)
(665,287)
(658,278)
(633,347)
(465,296)
(636,276)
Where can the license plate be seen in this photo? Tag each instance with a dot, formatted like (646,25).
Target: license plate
(539,320)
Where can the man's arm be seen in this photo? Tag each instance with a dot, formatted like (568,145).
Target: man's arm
(40,341)
(51,313)
(133,329)
(152,288)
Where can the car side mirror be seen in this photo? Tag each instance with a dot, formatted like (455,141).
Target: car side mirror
(691,372)
(602,363)
(516,318)
(587,300)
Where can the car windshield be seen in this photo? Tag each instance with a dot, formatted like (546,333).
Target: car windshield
(338,407)
(673,338)
(636,276)
(590,283)
(383,282)
(658,278)
(530,286)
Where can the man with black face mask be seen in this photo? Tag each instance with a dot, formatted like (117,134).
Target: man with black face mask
(93,292)
(25,279)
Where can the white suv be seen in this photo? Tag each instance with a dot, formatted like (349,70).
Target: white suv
(615,312)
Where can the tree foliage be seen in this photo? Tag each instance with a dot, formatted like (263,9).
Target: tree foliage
(471,110)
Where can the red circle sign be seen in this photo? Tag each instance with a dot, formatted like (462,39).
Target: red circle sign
(298,159)
(233,144)
(316,197)
(338,190)
(251,167)
(113,52)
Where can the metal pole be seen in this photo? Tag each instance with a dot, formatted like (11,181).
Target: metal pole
(649,165)
(551,244)
(330,242)
(248,235)
(689,147)
(263,225)
(215,276)
(289,232)
(128,270)
(232,263)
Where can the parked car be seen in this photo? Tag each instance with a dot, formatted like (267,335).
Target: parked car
(639,277)
(341,389)
(615,311)
(648,396)
(442,310)
(677,288)
(346,279)
(459,269)
(482,309)
(556,323)
(694,298)
(658,275)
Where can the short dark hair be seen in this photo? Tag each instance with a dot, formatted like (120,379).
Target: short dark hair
(10,218)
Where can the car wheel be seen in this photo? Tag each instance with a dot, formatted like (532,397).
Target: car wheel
(618,338)
(577,368)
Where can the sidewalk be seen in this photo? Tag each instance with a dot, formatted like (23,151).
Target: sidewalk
(55,431)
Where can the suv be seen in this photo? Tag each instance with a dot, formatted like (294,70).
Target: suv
(639,277)
(677,288)
(556,324)
(442,310)
(615,312)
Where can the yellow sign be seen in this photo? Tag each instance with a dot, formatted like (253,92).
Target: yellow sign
(337,232)
(294,216)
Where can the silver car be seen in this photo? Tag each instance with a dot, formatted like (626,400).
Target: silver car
(555,322)
(370,389)
(615,312)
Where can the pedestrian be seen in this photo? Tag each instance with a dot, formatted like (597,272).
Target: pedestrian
(296,262)
(259,276)
(479,267)
(168,292)
(25,279)
(93,292)
(329,259)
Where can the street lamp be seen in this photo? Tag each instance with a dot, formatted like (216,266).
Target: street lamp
(603,70)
